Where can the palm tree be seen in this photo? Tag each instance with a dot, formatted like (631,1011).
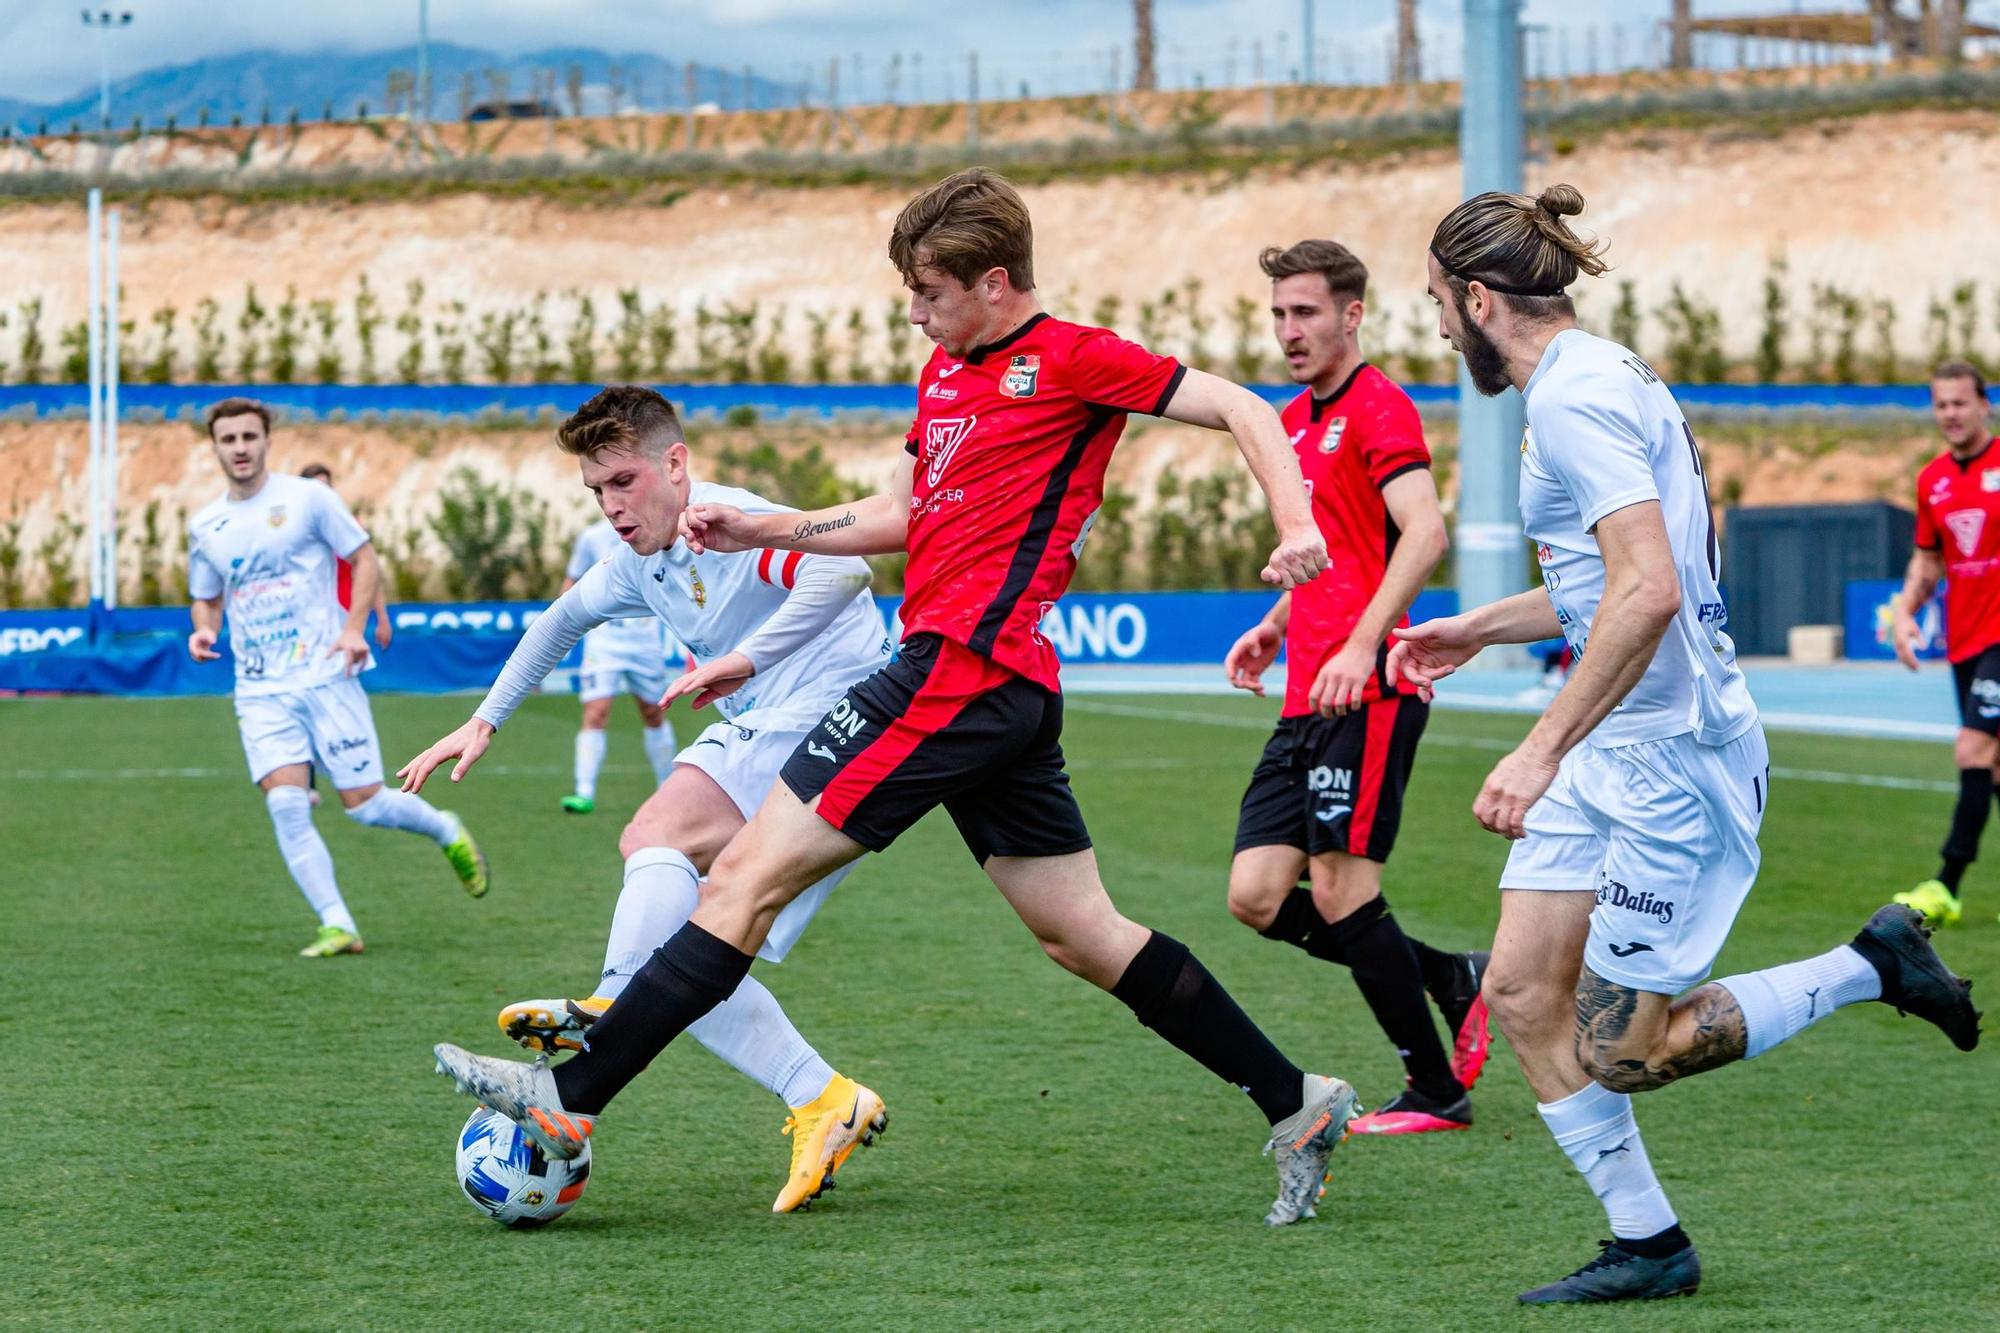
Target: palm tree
(1143,78)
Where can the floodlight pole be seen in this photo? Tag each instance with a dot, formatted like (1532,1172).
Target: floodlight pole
(420,101)
(1491,564)
(95,349)
(110,376)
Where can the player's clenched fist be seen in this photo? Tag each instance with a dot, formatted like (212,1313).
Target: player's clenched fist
(467,744)
(718,528)
(1515,784)
(1298,559)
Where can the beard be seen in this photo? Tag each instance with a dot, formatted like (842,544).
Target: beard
(1483,361)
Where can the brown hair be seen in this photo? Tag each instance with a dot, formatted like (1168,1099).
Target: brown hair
(1960,370)
(966,224)
(1518,246)
(317,472)
(1345,275)
(631,417)
(237,407)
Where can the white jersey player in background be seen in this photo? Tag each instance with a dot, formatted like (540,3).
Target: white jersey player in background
(623,656)
(1635,801)
(777,637)
(265,553)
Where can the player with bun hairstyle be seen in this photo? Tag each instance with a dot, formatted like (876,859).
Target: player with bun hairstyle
(1634,803)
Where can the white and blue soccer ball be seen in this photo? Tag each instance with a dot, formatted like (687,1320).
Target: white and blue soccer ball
(510,1179)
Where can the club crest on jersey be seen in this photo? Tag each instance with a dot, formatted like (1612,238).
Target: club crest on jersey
(1524,441)
(1966,525)
(1022,373)
(942,437)
(1989,480)
(696,588)
(1334,430)
(276,518)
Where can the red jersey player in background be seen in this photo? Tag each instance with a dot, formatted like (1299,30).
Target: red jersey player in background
(1958,540)
(1324,802)
(344,572)
(1017,415)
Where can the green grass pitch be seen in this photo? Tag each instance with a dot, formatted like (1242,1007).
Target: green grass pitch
(213,1132)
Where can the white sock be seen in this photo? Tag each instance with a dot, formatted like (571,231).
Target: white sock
(406,811)
(749,1031)
(661,892)
(1596,1131)
(305,853)
(1781,1002)
(752,1035)
(589,758)
(660,750)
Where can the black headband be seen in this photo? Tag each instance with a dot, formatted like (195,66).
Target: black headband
(1491,285)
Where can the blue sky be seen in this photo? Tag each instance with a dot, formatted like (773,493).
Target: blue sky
(1050,44)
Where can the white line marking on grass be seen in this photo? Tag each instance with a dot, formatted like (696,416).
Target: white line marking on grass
(1496,746)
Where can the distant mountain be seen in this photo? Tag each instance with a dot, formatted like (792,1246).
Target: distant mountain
(254,84)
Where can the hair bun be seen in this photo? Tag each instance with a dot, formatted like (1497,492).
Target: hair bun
(1560,201)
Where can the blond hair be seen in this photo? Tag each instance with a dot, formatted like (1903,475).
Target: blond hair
(967,224)
(1518,246)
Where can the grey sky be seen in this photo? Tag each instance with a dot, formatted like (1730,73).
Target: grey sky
(48,54)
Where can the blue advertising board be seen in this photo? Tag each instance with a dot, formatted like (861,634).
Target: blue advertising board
(1868,620)
(443,647)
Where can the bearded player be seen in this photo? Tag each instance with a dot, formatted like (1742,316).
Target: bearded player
(1017,417)
(1635,801)
(1958,541)
(1321,812)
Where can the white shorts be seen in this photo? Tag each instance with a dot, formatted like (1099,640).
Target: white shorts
(744,757)
(600,680)
(327,724)
(1665,833)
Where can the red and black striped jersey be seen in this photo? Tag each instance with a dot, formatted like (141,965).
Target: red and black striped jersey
(1011,443)
(1350,444)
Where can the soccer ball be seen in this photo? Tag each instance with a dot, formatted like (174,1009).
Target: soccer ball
(509,1179)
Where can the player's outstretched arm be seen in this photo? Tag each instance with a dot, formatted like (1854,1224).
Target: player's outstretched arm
(1211,401)
(1920,580)
(1427,652)
(876,525)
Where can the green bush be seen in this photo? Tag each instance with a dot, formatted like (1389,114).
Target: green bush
(367,320)
(582,341)
(13,587)
(285,338)
(326,342)
(450,335)
(75,344)
(158,367)
(410,326)
(628,337)
(207,341)
(249,329)
(32,349)
(62,584)
(475,522)
(1776,324)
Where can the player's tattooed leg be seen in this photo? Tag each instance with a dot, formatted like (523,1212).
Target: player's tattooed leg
(1627,1049)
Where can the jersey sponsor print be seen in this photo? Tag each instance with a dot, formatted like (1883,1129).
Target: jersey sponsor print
(1958,516)
(1605,434)
(1350,445)
(271,559)
(1011,442)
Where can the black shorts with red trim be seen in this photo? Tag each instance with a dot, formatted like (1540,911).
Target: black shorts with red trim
(1978,682)
(942,725)
(1334,784)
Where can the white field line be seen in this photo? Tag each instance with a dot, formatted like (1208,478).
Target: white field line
(1499,746)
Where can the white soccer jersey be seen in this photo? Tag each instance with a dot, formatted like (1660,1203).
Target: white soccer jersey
(1605,433)
(271,557)
(633,643)
(711,603)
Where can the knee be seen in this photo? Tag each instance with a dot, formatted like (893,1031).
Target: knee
(635,839)
(1522,1003)
(1975,749)
(1252,902)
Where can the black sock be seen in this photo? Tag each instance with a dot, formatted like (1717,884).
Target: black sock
(1376,951)
(685,978)
(1174,995)
(1296,920)
(1441,970)
(1658,1245)
(1968,821)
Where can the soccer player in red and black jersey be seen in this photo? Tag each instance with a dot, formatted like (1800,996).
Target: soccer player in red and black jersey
(1016,419)
(1326,797)
(1958,540)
